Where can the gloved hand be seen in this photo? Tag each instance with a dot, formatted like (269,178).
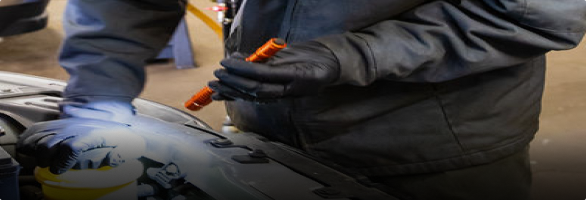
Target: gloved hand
(298,70)
(89,136)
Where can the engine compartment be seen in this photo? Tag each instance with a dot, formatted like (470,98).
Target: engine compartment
(185,159)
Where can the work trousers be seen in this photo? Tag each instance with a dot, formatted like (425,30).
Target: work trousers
(506,179)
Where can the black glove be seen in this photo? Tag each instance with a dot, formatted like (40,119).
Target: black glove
(298,70)
(89,138)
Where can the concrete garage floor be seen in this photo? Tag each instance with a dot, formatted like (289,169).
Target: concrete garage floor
(558,151)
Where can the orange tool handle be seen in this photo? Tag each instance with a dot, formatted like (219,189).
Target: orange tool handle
(204,96)
(267,50)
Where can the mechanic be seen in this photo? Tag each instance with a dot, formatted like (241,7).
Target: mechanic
(428,99)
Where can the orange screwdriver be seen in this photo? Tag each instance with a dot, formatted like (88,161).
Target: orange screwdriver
(204,96)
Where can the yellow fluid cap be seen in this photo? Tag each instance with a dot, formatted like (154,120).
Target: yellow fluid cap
(103,177)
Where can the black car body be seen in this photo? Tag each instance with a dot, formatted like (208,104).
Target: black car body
(185,158)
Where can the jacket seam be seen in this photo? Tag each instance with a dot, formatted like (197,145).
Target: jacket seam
(525,5)
(524,140)
(446,118)
(289,21)
(554,31)
(372,58)
(301,141)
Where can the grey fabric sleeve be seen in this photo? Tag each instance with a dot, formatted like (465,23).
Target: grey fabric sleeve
(441,40)
(107,43)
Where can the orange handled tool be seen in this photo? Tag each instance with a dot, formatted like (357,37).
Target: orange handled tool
(204,96)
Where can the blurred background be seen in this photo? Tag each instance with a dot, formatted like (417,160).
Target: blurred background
(558,152)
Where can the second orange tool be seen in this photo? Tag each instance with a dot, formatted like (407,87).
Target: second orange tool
(204,96)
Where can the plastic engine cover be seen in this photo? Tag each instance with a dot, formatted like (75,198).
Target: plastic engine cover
(184,156)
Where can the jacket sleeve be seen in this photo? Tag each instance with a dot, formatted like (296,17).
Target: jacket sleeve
(108,41)
(441,40)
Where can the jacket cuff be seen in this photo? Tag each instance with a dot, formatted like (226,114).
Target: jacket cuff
(357,63)
(108,108)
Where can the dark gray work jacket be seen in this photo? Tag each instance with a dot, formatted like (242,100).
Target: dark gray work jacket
(425,85)
(433,85)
